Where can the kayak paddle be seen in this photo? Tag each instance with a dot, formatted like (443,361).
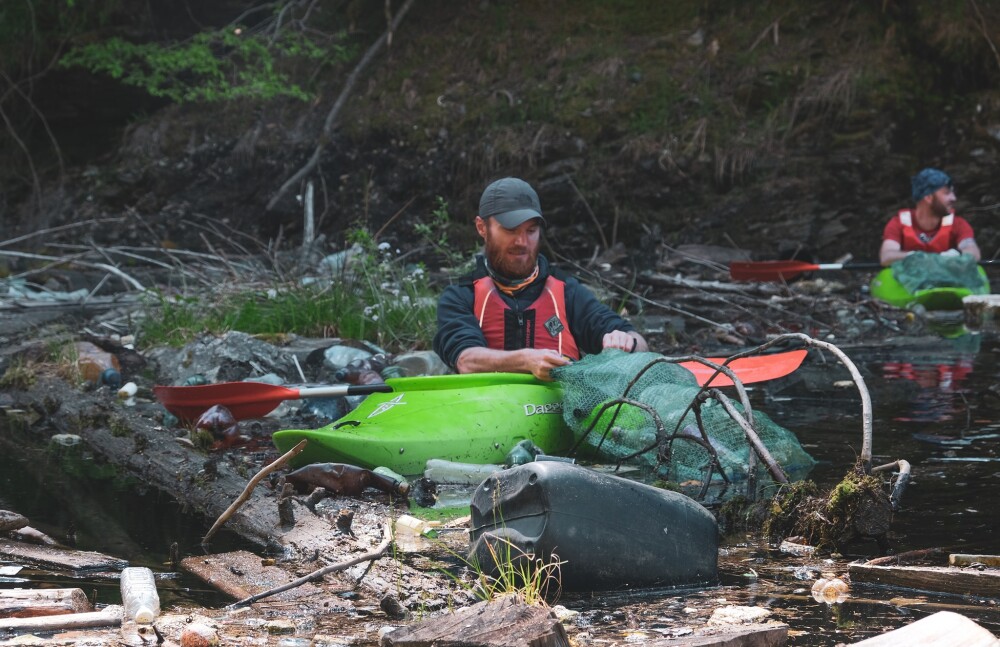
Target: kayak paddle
(255,399)
(248,399)
(780,270)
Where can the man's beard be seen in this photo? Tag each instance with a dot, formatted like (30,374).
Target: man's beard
(938,208)
(510,268)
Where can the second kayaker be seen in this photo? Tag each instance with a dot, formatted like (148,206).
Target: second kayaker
(931,225)
(515,313)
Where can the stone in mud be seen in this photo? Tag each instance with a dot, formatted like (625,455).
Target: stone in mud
(11,521)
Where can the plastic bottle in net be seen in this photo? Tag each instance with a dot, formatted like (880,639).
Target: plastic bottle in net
(139,596)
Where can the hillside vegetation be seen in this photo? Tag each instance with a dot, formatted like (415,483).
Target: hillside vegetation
(773,126)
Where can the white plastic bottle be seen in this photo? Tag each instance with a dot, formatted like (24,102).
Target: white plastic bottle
(139,596)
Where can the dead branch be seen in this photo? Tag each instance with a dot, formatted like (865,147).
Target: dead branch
(52,230)
(986,33)
(331,117)
(75,261)
(593,216)
(379,551)
(231,510)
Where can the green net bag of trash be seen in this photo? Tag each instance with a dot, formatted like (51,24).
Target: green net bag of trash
(664,390)
(921,271)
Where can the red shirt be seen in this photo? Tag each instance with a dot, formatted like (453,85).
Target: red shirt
(960,230)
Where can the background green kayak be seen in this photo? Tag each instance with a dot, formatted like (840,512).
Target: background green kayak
(471,418)
(885,287)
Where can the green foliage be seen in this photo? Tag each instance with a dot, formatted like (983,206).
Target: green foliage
(512,572)
(20,375)
(435,233)
(373,295)
(212,66)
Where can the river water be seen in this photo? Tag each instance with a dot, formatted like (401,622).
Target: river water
(935,404)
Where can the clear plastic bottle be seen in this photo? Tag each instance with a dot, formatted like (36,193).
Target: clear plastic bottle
(139,596)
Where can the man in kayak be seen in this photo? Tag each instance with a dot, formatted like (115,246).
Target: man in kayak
(515,313)
(931,226)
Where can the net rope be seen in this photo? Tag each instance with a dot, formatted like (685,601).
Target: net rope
(643,409)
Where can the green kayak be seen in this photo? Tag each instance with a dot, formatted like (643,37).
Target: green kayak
(451,417)
(885,287)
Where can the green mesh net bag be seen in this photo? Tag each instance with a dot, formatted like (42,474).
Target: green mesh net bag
(921,271)
(675,447)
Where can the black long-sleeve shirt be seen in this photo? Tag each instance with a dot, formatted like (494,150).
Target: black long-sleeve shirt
(458,328)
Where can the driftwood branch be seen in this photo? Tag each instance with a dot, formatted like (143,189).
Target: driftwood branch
(231,510)
(108,617)
(331,117)
(378,552)
(101,266)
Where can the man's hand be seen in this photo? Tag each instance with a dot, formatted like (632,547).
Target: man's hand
(950,253)
(541,362)
(627,341)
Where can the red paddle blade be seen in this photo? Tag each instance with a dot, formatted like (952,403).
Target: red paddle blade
(756,368)
(768,270)
(243,399)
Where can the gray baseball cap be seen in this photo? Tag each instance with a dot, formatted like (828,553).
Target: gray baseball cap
(511,201)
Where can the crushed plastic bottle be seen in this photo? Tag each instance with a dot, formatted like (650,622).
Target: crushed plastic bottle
(139,596)
(402,484)
(442,471)
(521,453)
(344,480)
(93,361)
(363,371)
(407,525)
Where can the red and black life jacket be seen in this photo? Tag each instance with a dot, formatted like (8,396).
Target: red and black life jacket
(911,240)
(543,324)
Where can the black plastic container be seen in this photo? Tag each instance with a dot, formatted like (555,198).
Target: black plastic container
(612,533)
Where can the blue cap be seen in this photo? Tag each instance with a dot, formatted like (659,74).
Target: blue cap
(511,201)
(928,181)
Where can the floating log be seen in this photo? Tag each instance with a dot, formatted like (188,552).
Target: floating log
(504,623)
(757,635)
(934,579)
(959,559)
(59,558)
(241,574)
(31,603)
(942,628)
(110,616)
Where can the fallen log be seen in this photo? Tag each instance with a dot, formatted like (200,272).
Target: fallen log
(248,490)
(935,579)
(241,574)
(318,574)
(110,616)
(58,558)
(942,628)
(504,623)
(31,603)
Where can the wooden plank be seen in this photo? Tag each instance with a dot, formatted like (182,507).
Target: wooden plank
(29,603)
(760,635)
(59,558)
(935,579)
(959,559)
(942,628)
(108,617)
(241,574)
(504,623)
